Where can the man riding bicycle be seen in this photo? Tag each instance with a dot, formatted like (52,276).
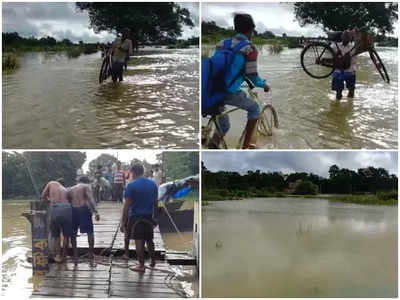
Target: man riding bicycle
(244,64)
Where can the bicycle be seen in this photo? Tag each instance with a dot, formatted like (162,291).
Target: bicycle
(318,58)
(106,67)
(267,121)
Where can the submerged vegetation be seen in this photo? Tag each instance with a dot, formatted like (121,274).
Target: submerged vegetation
(9,62)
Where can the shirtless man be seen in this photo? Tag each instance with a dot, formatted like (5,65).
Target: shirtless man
(60,216)
(83,206)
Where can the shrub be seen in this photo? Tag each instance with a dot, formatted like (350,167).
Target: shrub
(10,61)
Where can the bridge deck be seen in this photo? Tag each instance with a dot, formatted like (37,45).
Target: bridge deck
(111,277)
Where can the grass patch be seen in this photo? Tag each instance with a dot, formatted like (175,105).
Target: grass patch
(74,52)
(9,62)
(381,198)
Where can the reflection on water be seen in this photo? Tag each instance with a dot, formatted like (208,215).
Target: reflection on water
(310,117)
(298,248)
(55,102)
(17,245)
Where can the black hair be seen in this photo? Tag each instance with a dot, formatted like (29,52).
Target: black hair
(243,23)
(84,179)
(137,169)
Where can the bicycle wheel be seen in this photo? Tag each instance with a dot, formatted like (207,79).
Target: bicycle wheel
(317,60)
(267,121)
(379,65)
(104,70)
(207,132)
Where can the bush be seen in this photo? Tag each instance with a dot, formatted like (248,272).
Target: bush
(10,61)
(74,52)
(306,188)
(275,48)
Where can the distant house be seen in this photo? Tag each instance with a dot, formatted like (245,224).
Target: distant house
(292,186)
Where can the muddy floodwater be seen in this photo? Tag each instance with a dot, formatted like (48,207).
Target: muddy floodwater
(310,117)
(17,245)
(53,101)
(294,247)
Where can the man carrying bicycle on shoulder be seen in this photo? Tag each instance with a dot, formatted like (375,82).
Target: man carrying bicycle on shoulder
(121,49)
(345,59)
(244,65)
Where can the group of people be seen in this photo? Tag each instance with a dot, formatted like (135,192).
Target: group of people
(243,67)
(73,208)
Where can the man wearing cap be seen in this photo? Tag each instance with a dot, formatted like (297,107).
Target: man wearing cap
(121,49)
(244,65)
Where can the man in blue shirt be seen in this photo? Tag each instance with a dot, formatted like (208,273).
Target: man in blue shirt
(244,64)
(141,196)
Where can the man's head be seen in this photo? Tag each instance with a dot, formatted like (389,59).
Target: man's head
(244,24)
(126,32)
(346,37)
(84,179)
(137,170)
(61,181)
(118,165)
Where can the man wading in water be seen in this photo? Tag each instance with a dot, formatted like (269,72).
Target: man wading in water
(137,222)
(60,216)
(83,206)
(121,49)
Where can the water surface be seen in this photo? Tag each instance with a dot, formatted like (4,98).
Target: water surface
(52,101)
(293,247)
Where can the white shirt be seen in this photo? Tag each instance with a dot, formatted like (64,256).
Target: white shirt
(121,49)
(344,50)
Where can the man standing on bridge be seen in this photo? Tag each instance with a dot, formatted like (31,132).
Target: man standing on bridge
(118,179)
(60,216)
(83,206)
(137,222)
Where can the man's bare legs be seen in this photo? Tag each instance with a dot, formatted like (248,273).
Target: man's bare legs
(150,248)
(65,248)
(57,243)
(126,246)
(91,248)
(140,255)
(75,250)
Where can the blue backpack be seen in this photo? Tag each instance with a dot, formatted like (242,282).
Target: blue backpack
(213,73)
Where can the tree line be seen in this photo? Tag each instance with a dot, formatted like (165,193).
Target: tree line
(26,174)
(340,181)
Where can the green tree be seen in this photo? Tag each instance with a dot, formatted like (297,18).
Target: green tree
(374,16)
(148,21)
(180,164)
(104,160)
(306,188)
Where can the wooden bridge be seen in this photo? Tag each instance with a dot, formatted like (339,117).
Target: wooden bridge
(111,277)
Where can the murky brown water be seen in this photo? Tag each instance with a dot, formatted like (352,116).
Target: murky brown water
(17,245)
(55,102)
(293,247)
(308,113)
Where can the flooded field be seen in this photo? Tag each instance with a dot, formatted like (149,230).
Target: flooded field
(17,245)
(294,247)
(310,117)
(52,101)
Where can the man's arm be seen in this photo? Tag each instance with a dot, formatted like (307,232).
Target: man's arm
(124,219)
(46,193)
(155,208)
(91,204)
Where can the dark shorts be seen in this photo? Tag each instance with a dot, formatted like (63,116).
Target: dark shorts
(82,220)
(140,228)
(61,220)
(339,78)
(118,191)
(117,69)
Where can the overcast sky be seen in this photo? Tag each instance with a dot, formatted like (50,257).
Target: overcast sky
(317,162)
(62,20)
(276,17)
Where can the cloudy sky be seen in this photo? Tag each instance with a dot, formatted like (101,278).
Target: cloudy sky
(62,20)
(317,162)
(276,17)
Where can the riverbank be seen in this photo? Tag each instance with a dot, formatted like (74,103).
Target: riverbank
(381,198)
(289,42)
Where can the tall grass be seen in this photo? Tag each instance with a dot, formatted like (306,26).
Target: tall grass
(9,62)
